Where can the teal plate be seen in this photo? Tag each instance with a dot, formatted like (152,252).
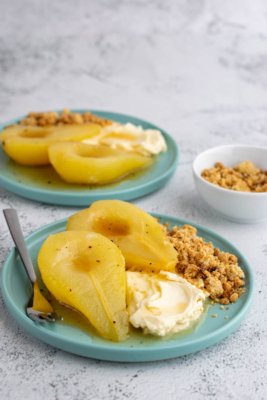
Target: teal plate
(43,184)
(16,292)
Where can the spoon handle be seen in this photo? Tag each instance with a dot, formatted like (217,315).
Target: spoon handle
(13,224)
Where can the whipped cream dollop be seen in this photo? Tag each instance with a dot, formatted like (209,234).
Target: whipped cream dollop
(131,138)
(163,303)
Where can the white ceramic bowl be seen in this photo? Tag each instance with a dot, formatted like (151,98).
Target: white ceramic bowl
(241,207)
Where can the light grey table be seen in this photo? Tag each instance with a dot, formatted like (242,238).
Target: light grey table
(196,68)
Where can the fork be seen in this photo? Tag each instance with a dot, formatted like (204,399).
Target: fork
(14,227)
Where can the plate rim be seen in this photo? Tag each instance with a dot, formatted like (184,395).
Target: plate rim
(120,351)
(69,197)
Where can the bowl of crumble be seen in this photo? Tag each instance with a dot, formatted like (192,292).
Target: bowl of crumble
(232,180)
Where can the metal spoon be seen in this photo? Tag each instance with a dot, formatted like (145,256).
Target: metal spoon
(13,224)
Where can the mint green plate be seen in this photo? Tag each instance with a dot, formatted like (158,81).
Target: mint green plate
(43,184)
(16,292)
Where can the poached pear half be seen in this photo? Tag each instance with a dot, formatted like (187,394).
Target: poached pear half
(86,271)
(140,237)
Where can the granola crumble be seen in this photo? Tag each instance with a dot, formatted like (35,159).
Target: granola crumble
(66,117)
(243,177)
(207,267)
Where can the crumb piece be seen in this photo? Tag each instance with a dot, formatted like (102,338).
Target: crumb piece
(233,297)
(243,177)
(214,315)
(207,267)
(225,301)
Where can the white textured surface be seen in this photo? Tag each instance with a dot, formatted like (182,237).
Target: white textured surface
(196,68)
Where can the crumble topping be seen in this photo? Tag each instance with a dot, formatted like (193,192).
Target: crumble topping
(207,267)
(243,177)
(66,117)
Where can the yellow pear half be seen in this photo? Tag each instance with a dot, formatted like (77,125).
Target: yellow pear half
(28,145)
(94,164)
(141,238)
(86,271)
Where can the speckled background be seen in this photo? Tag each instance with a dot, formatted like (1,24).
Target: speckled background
(196,68)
